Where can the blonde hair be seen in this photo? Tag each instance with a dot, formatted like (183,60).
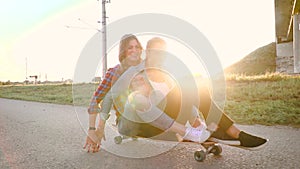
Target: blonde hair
(156,41)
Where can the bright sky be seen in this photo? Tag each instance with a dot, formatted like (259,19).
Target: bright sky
(36,30)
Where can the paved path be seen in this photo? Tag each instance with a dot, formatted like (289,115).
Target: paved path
(39,135)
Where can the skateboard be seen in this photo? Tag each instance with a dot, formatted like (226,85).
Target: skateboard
(210,147)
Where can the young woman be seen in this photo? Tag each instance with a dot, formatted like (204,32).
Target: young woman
(130,50)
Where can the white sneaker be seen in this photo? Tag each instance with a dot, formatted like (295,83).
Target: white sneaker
(196,135)
(202,126)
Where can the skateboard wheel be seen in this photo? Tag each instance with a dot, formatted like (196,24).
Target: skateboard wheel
(118,139)
(216,150)
(200,156)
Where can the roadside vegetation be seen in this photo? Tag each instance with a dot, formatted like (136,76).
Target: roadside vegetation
(270,99)
(255,94)
(264,99)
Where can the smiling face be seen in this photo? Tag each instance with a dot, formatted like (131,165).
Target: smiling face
(130,51)
(133,52)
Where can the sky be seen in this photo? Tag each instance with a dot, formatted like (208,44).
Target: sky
(50,35)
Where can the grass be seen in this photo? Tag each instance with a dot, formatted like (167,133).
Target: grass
(270,99)
(78,94)
(59,94)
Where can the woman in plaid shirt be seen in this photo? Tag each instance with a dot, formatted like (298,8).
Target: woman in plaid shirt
(130,50)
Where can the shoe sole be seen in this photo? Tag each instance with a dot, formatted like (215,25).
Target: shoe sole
(226,142)
(255,148)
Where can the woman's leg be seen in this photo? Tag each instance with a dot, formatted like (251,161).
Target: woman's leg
(128,122)
(151,114)
(226,128)
(210,110)
(154,116)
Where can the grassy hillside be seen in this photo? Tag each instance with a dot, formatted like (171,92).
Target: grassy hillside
(257,62)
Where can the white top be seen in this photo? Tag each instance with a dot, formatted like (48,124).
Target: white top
(160,86)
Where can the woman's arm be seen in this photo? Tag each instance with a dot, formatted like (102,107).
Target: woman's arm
(121,85)
(94,136)
(102,89)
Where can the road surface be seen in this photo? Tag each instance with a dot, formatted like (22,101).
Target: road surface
(41,135)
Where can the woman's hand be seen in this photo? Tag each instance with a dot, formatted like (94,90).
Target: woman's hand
(100,134)
(93,140)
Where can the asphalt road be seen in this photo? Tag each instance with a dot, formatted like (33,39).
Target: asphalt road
(39,135)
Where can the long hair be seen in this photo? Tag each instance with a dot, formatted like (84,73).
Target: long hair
(124,44)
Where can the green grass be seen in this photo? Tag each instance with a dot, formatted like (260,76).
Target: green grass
(60,94)
(270,99)
(82,93)
(78,94)
(258,95)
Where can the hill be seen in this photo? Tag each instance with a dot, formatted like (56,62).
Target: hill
(258,62)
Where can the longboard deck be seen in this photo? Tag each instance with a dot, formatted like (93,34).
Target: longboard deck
(127,146)
(142,148)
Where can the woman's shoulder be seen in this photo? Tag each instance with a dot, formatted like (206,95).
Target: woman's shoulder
(115,68)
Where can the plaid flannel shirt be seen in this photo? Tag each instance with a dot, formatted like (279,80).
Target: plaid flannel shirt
(110,77)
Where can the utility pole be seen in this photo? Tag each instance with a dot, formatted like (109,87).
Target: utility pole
(104,41)
(26,77)
(296,43)
(26,68)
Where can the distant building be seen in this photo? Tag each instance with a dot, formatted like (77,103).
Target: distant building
(68,81)
(35,77)
(287,28)
(96,79)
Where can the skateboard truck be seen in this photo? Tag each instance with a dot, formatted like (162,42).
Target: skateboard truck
(210,147)
(119,139)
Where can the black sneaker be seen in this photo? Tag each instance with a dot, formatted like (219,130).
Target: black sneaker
(251,142)
(225,139)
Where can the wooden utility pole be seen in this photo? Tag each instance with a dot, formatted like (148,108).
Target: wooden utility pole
(296,43)
(26,68)
(104,41)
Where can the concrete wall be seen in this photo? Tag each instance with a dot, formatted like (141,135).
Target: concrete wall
(285,58)
(288,54)
(287,25)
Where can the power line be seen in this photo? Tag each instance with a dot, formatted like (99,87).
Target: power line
(104,34)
